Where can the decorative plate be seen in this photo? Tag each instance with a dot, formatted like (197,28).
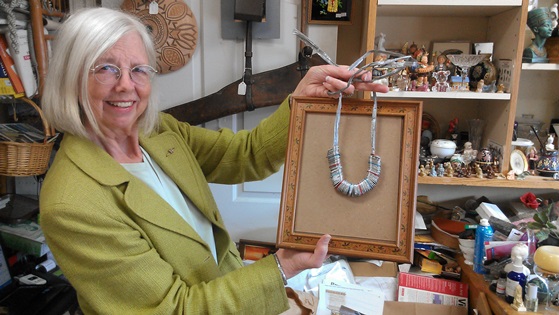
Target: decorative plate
(518,162)
(173,28)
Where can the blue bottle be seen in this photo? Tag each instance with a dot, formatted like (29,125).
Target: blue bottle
(484,233)
(515,278)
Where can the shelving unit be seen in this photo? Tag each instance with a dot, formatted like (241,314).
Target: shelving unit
(533,88)
(424,22)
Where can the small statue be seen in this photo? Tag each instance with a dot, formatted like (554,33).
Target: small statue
(440,170)
(379,41)
(501,88)
(554,11)
(423,71)
(533,158)
(549,146)
(433,170)
(469,153)
(480,85)
(541,24)
(479,171)
(442,77)
(518,303)
(449,171)
(422,171)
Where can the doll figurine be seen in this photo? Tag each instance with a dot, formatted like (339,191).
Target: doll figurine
(549,146)
(518,303)
(540,23)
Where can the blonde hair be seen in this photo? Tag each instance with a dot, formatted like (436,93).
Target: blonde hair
(79,42)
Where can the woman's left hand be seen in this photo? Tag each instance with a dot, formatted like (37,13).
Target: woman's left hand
(320,81)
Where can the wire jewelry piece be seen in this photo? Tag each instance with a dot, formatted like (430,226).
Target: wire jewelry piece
(391,66)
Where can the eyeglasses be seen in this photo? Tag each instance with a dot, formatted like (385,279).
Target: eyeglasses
(110,74)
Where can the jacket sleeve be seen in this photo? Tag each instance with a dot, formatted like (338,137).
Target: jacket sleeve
(116,268)
(227,157)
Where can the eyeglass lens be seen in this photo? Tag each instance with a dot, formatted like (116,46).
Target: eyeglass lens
(109,74)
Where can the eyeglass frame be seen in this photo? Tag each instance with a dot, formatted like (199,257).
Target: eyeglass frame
(151,73)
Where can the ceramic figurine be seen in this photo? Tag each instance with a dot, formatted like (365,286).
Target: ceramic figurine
(541,24)
(549,146)
(533,158)
(379,41)
(501,88)
(440,170)
(422,72)
(554,11)
(442,77)
(484,157)
(479,87)
(469,153)
(518,303)
(433,171)
(422,172)
(449,171)
(479,171)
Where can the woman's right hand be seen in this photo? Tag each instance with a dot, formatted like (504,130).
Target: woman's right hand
(293,262)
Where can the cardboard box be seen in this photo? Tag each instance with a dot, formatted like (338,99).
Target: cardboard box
(367,269)
(408,308)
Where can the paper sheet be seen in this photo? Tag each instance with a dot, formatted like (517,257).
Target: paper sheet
(333,294)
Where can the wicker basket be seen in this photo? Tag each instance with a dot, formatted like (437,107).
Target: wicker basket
(26,159)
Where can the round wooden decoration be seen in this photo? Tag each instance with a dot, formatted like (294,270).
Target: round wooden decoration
(173,29)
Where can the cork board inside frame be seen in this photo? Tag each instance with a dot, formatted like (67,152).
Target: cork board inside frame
(377,225)
(337,12)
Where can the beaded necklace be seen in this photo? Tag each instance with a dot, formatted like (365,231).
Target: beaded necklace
(389,67)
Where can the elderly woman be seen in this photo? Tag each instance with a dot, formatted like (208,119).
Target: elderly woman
(126,208)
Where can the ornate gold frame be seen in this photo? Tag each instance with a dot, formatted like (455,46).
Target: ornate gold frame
(379,224)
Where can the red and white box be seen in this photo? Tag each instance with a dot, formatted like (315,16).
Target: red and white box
(425,289)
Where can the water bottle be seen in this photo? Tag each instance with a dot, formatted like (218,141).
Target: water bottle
(484,233)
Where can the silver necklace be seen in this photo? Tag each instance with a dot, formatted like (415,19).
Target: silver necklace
(392,66)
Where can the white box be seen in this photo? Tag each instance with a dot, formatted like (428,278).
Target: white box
(488,210)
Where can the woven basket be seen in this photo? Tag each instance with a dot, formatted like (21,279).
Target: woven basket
(26,159)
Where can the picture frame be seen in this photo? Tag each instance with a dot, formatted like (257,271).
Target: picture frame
(336,12)
(377,225)
(255,250)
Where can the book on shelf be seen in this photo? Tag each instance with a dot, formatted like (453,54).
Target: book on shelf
(26,237)
(8,67)
(22,62)
(7,90)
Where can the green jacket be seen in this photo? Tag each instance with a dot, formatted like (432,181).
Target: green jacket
(126,251)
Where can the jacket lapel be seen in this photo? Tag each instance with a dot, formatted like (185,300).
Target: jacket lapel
(139,198)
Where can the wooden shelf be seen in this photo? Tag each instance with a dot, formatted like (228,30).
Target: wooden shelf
(446,95)
(445,8)
(532,182)
(476,284)
(540,66)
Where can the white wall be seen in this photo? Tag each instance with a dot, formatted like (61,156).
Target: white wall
(217,62)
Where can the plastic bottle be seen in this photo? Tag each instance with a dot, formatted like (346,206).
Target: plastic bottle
(484,233)
(515,278)
(502,283)
(532,298)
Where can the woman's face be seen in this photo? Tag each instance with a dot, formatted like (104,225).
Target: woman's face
(118,105)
